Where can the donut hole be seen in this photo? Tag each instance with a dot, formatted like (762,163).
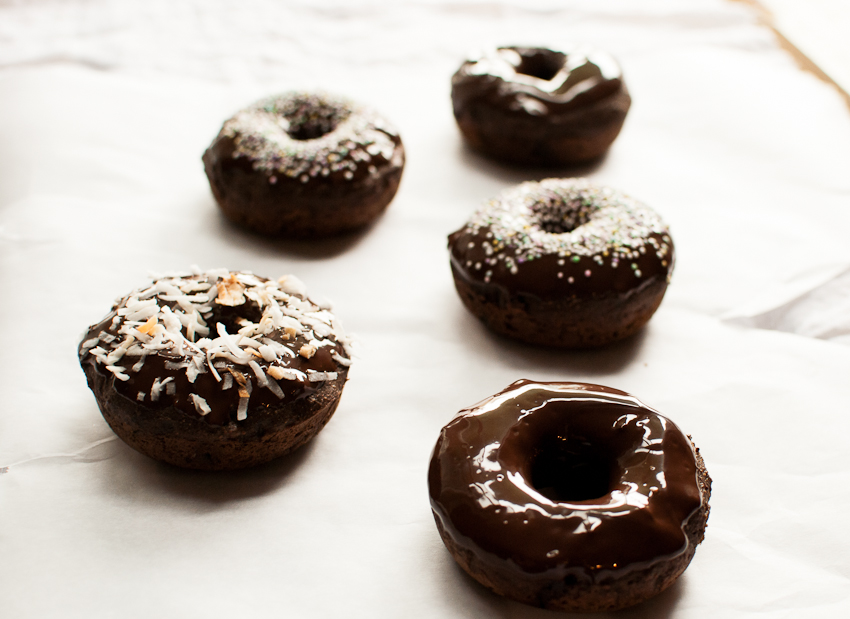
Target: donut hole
(309,117)
(233,317)
(556,217)
(571,469)
(542,64)
(311,128)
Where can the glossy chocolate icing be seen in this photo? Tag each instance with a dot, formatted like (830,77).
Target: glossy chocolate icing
(561,238)
(536,81)
(564,481)
(540,107)
(234,378)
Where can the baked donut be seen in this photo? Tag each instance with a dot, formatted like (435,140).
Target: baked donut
(563,262)
(568,496)
(540,107)
(216,369)
(304,165)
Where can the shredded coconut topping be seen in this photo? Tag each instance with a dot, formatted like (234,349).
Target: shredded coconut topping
(233,326)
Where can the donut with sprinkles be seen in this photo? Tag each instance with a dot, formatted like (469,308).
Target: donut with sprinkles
(304,165)
(563,262)
(218,369)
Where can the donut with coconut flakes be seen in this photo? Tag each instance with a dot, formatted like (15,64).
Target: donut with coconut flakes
(563,262)
(538,106)
(304,165)
(218,369)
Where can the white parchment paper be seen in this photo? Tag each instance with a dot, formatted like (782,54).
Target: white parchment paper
(105,109)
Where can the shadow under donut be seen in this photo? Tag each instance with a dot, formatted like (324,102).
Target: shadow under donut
(515,174)
(135,476)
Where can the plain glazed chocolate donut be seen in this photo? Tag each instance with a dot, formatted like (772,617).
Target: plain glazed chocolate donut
(563,262)
(536,106)
(217,369)
(304,165)
(568,496)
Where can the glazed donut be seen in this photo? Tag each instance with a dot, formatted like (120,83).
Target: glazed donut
(568,496)
(536,106)
(304,165)
(563,262)
(216,369)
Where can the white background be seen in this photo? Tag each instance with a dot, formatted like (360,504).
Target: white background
(105,110)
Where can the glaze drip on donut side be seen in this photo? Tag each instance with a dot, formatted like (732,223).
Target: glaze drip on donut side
(212,343)
(313,138)
(491,500)
(563,236)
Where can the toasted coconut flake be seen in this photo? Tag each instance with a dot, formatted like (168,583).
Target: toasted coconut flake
(149,326)
(315,377)
(200,404)
(156,388)
(267,352)
(231,291)
(280,373)
(242,408)
(141,396)
(340,359)
(258,372)
(118,371)
(274,387)
(292,285)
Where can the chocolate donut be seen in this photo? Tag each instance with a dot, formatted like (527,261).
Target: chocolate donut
(568,496)
(563,262)
(217,369)
(536,106)
(304,165)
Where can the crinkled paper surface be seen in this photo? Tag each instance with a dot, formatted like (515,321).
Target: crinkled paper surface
(105,109)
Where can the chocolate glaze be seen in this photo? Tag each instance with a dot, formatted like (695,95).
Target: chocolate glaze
(536,81)
(306,143)
(513,245)
(564,480)
(223,403)
(540,107)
